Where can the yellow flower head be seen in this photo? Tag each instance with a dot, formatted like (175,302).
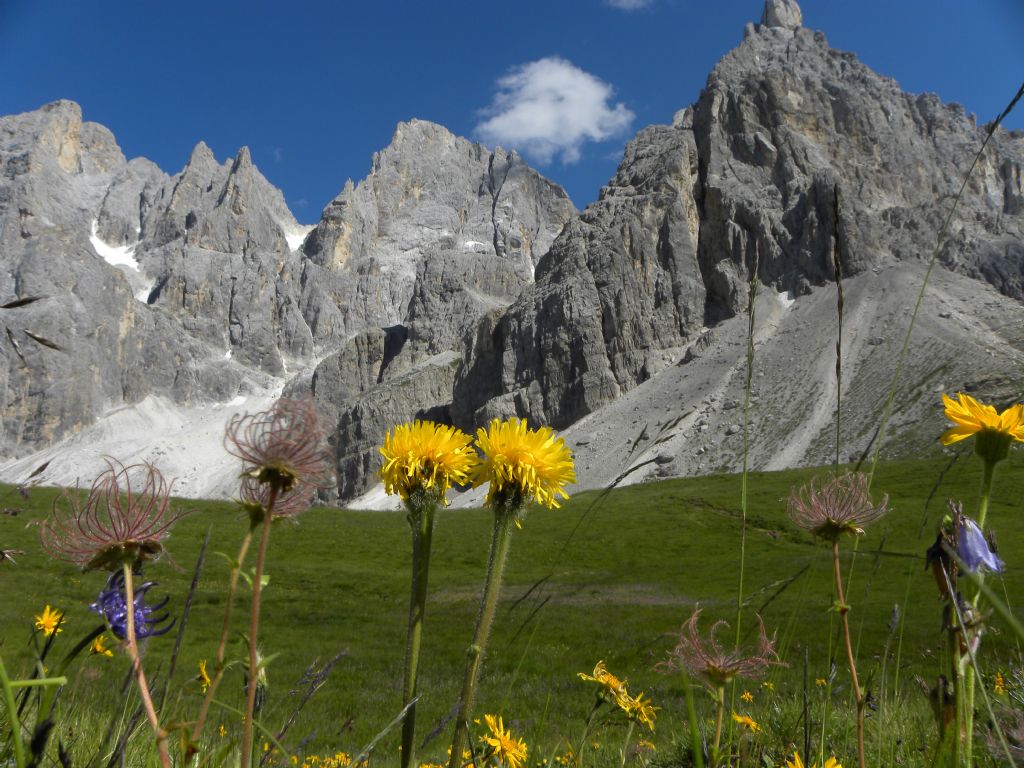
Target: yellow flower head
(641,711)
(534,463)
(203,677)
(426,455)
(994,431)
(1000,684)
(222,731)
(747,696)
(748,722)
(797,762)
(49,621)
(510,751)
(99,647)
(610,688)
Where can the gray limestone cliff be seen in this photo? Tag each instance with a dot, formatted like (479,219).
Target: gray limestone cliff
(749,175)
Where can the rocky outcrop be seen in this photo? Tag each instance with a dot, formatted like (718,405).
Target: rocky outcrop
(793,153)
(620,287)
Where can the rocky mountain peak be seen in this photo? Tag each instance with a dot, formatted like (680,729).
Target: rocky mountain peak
(782,14)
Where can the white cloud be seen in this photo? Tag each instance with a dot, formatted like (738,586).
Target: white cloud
(551,107)
(629,5)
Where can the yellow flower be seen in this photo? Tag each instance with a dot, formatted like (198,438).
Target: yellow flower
(747,722)
(203,677)
(768,684)
(425,455)
(821,682)
(1000,685)
(611,689)
(796,762)
(49,620)
(995,431)
(99,647)
(222,731)
(509,750)
(747,696)
(641,711)
(533,463)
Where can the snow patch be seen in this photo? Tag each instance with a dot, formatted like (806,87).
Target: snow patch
(470,244)
(114,255)
(375,499)
(239,400)
(227,355)
(296,237)
(123,257)
(785,298)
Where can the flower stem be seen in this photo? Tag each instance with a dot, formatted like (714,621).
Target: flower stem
(504,517)
(719,711)
(222,646)
(254,625)
(625,744)
(986,490)
(844,609)
(421,521)
(586,730)
(133,653)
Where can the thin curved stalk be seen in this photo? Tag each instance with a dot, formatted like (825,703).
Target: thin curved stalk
(844,609)
(140,676)
(254,625)
(211,691)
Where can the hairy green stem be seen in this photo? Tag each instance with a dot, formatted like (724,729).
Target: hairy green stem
(719,711)
(254,625)
(140,676)
(504,518)
(421,521)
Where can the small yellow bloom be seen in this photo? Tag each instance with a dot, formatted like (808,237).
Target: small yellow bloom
(99,647)
(768,684)
(797,762)
(611,689)
(821,682)
(1000,684)
(203,677)
(222,731)
(425,455)
(534,463)
(49,621)
(747,696)
(641,711)
(747,722)
(510,751)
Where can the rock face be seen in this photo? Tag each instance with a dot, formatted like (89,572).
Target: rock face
(455,283)
(791,148)
(441,233)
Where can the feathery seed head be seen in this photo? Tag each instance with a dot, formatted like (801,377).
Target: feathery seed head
(836,505)
(282,445)
(124,519)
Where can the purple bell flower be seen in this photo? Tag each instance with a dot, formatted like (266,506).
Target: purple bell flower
(973,548)
(112,606)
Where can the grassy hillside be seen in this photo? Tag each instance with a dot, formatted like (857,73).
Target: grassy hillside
(610,576)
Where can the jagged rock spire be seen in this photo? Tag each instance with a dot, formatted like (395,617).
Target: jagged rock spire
(785,14)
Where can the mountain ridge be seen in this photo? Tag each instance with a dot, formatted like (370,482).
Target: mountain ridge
(455,282)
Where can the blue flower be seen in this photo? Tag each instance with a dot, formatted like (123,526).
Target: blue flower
(112,605)
(974,550)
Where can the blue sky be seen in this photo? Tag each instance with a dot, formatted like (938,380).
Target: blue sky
(314,88)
